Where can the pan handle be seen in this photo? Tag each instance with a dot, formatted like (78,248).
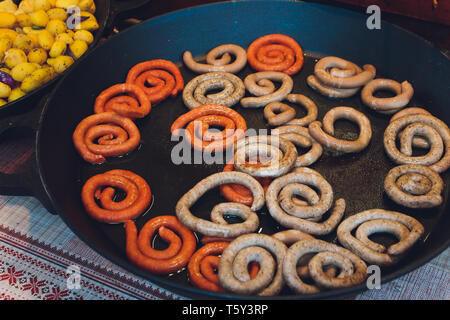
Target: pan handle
(121,7)
(27,182)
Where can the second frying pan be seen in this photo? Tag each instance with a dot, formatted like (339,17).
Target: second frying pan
(106,13)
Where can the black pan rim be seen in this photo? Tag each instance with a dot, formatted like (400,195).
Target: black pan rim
(180,289)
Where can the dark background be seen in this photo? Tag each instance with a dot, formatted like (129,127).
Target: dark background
(437,33)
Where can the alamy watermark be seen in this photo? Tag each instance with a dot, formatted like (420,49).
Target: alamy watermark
(73,281)
(74,17)
(202,147)
(373,22)
(373,281)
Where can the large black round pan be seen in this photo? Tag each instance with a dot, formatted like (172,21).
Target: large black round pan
(106,13)
(59,172)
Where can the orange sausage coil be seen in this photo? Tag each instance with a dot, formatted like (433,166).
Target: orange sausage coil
(203,265)
(100,188)
(158,78)
(173,258)
(198,121)
(115,135)
(237,193)
(125,99)
(275,52)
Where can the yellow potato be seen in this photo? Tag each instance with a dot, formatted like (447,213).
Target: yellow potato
(39,18)
(5,45)
(61,63)
(64,37)
(58,49)
(65,3)
(78,48)
(5,70)
(37,65)
(56,26)
(52,3)
(84,35)
(8,6)
(45,74)
(30,30)
(46,39)
(34,37)
(89,24)
(23,42)
(41,5)
(5,90)
(24,20)
(16,93)
(8,33)
(2,102)
(57,14)
(85,5)
(37,55)
(13,57)
(27,6)
(30,83)
(7,20)
(22,70)
(92,8)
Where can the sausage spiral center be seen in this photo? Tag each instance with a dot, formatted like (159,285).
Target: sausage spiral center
(388,256)
(282,153)
(436,132)
(414,186)
(218,226)
(353,269)
(403,94)
(214,63)
(233,265)
(115,135)
(338,78)
(176,256)
(292,214)
(163,77)
(300,137)
(195,92)
(261,86)
(325,136)
(125,99)
(275,52)
(101,188)
(195,121)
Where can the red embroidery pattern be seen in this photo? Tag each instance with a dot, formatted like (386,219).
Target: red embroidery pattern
(34,285)
(11,275)
(40,288)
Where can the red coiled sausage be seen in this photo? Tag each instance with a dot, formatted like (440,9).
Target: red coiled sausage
(134,105)
(101,187)
(275,52)
(104,127)
(163,75)
(159,261)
